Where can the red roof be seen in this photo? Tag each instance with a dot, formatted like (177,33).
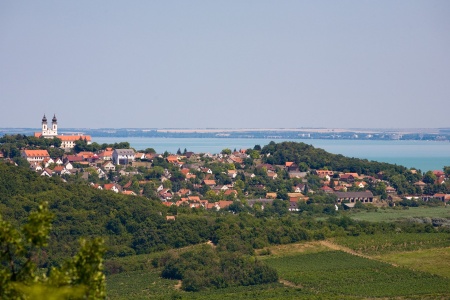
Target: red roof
(30,153)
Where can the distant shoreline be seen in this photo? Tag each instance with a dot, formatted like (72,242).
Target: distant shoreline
(428,134)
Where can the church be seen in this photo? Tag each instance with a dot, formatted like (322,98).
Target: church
(67,141)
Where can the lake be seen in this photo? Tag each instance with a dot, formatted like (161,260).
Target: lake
(423,155)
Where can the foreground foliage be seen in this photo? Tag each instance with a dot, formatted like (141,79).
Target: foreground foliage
(79,278)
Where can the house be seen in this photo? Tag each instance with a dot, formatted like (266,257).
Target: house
(96,186)
(189,176)
(220,205)
(60,170)
(123,156)
(73,159)
(390,190)
(48,161)
(323,173)
(47,172)
(438,173)
(209,182)
(360,184)
(263,202)
(327,189)
(131,193)
(184,192)
(420,184)
(349,178)
(272,175)
(68,166)
(106,155)
(232,173)
(299,188)
(112,187)
(165,194)
(193,198)
(108,166)
(35,155)
(206,170)
(100,172)
(271,195)
(296,174)
(35,166)
(172,159)
(352,197)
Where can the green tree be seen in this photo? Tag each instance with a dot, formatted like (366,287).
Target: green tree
(80,278)
(226,151)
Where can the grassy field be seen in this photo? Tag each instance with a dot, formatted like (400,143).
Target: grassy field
(390,214)
(435,261)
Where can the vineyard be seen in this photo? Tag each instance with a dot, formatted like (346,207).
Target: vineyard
(339,273)
(378,244)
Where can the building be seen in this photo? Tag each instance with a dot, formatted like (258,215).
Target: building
(35,155)
(365,197)
(123,156)
(67,141)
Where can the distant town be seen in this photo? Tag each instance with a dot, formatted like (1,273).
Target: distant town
(213,181)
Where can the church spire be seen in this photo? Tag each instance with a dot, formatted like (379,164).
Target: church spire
(44,119)
(54,119)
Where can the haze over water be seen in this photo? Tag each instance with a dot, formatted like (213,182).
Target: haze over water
(423,155)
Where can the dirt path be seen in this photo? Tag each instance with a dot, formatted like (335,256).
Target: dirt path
(291,284)
(178,285)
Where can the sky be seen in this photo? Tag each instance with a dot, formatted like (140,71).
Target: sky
(225,64)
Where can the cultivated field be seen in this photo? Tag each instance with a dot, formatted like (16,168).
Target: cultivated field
(389,214)
(400,266)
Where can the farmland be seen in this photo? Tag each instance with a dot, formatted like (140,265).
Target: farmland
(312,270)
(378,244)
(397,214)
(339,273)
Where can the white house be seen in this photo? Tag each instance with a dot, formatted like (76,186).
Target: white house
(123,156)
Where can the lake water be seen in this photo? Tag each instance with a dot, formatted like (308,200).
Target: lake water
(424,155)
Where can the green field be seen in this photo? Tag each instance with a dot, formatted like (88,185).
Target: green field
(390,214)
(435,261)
(378,244)
(343,274)
(313,271)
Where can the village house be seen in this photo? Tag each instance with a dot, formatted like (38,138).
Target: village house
(112,187)
(108,166)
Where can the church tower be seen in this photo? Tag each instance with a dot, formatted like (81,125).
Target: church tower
(54,125)
(44,126)
(49,132)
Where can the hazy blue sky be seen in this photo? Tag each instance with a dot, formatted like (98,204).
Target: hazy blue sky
(226,64)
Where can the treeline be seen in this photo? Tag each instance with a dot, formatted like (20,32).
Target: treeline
(134,225)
